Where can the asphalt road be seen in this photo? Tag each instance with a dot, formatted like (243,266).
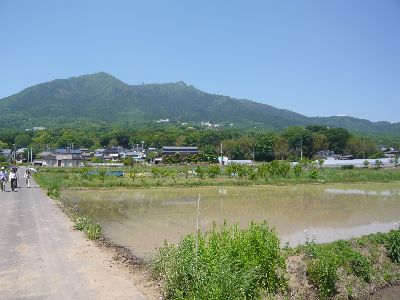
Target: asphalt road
(41,257)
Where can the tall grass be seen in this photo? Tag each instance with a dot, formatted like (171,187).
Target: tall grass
(230,263)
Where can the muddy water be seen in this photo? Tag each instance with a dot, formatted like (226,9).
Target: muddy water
(143,219)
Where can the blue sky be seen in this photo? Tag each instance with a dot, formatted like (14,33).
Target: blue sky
(318,58)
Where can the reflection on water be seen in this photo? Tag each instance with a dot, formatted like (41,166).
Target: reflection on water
(143,219)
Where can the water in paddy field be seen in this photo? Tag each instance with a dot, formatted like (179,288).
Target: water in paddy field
(142,219)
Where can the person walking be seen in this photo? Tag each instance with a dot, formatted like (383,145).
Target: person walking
(27,176)
(13,179)
(3,179)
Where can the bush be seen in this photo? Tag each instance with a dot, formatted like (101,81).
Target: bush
(378,164)
(228,263)
(213,171)
(323,273)
(393,245)
(297,169)
(366,163)
(313,174)
(326,259)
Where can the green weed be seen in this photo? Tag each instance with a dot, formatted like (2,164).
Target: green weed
(224,263)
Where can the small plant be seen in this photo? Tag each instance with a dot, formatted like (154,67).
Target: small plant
(313,174)
(92,231)
(132,174)
(102,174)
(200,172)
(213,171)
(53,190)
(298,169)
(320,163)
(155,172)
(366,163)
(378,164)
(323,273)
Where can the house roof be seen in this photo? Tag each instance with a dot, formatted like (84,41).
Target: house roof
(168,149)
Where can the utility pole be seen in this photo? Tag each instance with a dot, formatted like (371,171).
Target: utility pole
(31,155)
(222,158)
(301,150)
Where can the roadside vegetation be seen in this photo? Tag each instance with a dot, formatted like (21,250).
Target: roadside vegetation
(228,263)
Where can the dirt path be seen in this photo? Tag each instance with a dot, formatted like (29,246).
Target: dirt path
(41,257)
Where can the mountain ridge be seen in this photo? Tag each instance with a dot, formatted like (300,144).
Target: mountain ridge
(102,97)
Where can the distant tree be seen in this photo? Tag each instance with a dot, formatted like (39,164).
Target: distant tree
(320,142)
(281,148)
(43,139)
(317,128)
(240,148)
(3,145)
(264,147)
(337,138)
(299,139)
(22,140)
(69,138)
(360,147)
(113,143)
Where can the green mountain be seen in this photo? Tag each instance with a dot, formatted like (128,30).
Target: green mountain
(102,98)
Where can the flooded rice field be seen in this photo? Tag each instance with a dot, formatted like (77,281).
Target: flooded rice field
(142,219)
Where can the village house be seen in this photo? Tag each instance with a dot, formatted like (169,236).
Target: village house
(60,158)
(184,151)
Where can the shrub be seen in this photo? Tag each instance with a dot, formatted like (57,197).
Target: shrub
(213,171)
(378,164)
(360,266)
(228,263)
(326,259)
(323,273)
(297,169)
(366,163)
(200,172)
(393,245)
(313,174)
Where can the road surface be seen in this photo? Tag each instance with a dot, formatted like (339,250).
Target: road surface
(41,257)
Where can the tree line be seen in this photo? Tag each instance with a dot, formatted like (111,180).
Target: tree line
(236,144)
